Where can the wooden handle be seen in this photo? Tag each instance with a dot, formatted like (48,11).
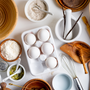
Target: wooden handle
(87,24)
(88,65)
(18,86)
(85,21)
(3,86)
(82,59)
(88,30)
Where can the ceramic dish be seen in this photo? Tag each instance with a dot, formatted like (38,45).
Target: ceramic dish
(37,84)
(37,65)
(26,11)
(74,6)
(8,72)
(62,81)
(19,52)
(8,10)
(59,28)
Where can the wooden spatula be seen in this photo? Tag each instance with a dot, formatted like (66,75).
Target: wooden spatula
(87,24)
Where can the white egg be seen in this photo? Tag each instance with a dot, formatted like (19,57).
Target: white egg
(34,52)
(30,39)
(47,48)
(43,35)
(51,62)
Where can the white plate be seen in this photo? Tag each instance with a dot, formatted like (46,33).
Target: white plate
(38,66)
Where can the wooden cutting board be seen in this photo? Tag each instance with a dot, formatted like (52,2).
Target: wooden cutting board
(71,50)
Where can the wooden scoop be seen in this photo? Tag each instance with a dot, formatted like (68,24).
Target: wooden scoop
(89,72)
(81,52)
(83,61)
(87,24)
(84,51)
(19,86)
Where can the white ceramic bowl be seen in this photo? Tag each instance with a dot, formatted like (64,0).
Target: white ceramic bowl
(59,28)
(9,73)
(62,82)
(26,13)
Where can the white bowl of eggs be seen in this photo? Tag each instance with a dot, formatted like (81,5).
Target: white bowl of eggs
(40,50)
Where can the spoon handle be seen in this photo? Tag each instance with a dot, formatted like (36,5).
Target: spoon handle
(46,12)
(9,76)
(43,10)
(88,65)
(18,62)
(87,24)
(19,86)
(82,59)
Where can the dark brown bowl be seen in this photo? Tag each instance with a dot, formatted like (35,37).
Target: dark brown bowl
(5,58)
(73,6)
(37,83)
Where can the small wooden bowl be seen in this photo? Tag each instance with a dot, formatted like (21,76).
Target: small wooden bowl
(73,6)
(18,55)
(37,83)
(8,17)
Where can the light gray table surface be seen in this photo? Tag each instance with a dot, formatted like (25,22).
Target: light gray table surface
(24,24)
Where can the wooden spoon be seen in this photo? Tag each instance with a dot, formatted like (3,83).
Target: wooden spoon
(89,73)
(81,52)
(82,59)
(19,86)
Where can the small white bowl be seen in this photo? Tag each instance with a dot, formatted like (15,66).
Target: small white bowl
(9,73)
(59,28)
(62,82)
(26,13)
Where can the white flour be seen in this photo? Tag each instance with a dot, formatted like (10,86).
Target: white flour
(10,50)
(34,12)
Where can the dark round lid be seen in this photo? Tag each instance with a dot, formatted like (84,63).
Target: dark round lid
(74,5)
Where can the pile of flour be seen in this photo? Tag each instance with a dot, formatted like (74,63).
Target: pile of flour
(10,50)
(34,12)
